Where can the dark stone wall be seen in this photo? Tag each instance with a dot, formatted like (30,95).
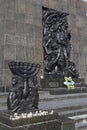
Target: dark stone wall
(21,33)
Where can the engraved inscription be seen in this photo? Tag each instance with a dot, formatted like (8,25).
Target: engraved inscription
(53,84)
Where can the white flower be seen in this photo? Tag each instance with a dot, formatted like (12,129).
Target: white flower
(51,112)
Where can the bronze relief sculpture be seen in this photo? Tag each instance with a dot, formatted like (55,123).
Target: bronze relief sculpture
(56,44)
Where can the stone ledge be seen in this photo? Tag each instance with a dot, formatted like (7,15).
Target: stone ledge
(43,123)
(5,119)
(56,91)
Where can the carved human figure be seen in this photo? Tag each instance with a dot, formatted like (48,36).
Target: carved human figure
(56,41)
(17,96)
(23,95)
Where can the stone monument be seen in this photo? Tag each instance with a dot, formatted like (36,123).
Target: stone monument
(24,92)
(22,103)
(23,98)
(57,49)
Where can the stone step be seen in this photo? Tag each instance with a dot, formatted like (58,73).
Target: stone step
(2,95)
(45,96)
(83,128)
(68,104)
(48,97)
(71,105)
(57,91)
(73,112)
(59,102)
(81,121)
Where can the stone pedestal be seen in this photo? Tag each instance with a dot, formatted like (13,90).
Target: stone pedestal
(59,82)
(52,83)
(56,85)
(7,118)
(47,122)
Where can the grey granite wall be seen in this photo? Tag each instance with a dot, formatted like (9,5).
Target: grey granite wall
(21,33)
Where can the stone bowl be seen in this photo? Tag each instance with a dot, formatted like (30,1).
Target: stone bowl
(24,69)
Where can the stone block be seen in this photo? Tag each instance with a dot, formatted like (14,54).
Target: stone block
(84,33)
(72,21)
(20,53)
(10,12)
(3,127)
(19,27)
(84,89)
(7,77)
(76,50)
(30,42)
(39,2)
(29,19)
(10,39)
(9,52)
(6,64)
(2,89)
(46,122)
(38,55)
(38,34)
(10,26)
(45,3)
(5,118)
(1,53)
(54,4)
(37,11)
(80,8)
(1,64)
(79,31)
(1,76)
(85,50)
(75,90)
(29,7)
(45,126)
(59,5)
(1,17)
(29,28)
(52,82)
(86,60)
(30,54)
(80,21)
(78,11)
(20,40)
(37,21)
(65,6)
(10,4)
(82,62)
(20,17)
(71,3)
(1,6)
(1,30)
(20,6)
(72,10)
(58,91)
(38,45)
